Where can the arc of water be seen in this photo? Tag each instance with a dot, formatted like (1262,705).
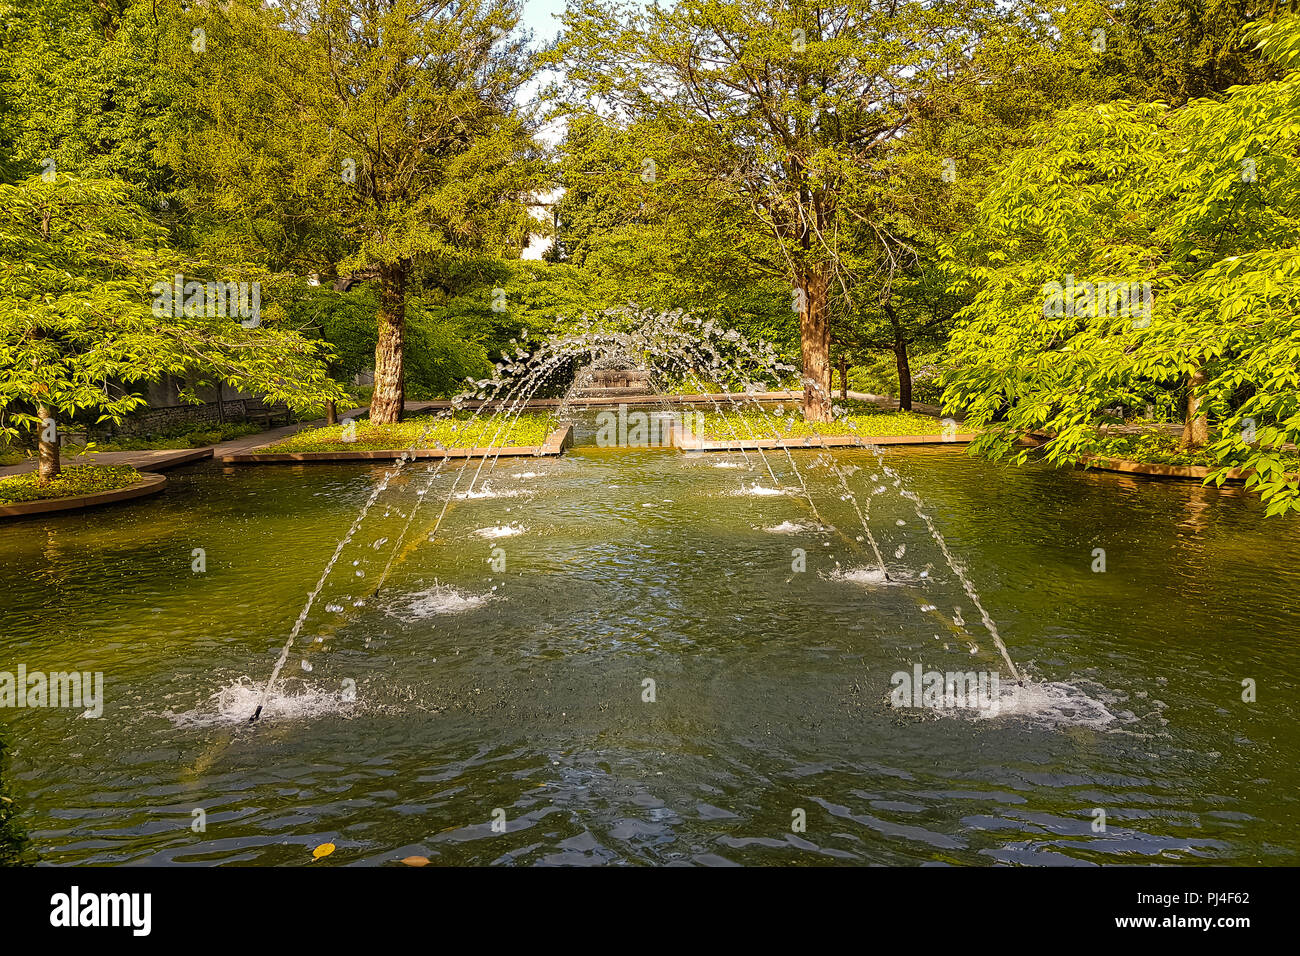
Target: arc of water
(863,518)
(311,598)
(568,347)
(343,542)
(966,584)
(738,407)
(520,403)
(965,581)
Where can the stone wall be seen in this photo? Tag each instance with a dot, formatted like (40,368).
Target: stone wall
(178,416)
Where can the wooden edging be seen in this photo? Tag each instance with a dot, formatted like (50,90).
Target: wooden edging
(1154,470)
(687,441)
(150,483)
(183,456)
(554,445)
(1126,466)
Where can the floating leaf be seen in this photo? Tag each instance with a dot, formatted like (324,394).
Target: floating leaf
(416,860)
(325,849)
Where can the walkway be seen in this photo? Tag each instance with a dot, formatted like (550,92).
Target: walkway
(162,459)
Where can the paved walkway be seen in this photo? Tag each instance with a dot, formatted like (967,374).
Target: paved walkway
(161,459)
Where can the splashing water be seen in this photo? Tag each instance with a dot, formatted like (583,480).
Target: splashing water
(442,599)
(501,531)
(230,705)
(663,344)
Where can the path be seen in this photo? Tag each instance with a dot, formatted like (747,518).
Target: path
(161,459)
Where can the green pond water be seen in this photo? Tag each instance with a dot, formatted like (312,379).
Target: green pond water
(485,693)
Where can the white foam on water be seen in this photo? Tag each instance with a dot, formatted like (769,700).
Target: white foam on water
(1052,703)
(527,474)
(727,464)
(235,703)
(443,599)
(486,492)
(788,527)
(757,490)
(501,531)
(868,577)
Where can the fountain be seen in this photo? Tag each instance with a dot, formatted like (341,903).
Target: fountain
(636,353)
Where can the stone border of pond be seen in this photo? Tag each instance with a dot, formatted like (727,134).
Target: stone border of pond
(1156,470)
(687,441)
(150,483)
(1145,469)
(553,447)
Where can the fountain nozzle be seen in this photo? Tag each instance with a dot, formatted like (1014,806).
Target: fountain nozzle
(256,714)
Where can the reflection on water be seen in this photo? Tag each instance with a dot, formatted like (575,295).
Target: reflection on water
(504,665)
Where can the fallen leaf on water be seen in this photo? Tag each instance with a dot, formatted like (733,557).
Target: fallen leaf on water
(416,861)
(325,849)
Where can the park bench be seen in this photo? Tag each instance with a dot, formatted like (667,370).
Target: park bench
(268,415)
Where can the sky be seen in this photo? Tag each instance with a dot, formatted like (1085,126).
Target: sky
(542,17)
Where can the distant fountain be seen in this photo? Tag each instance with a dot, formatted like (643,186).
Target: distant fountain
(609,383)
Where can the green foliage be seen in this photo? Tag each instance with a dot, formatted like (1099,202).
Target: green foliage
(1164,449)
(77,259)
(371,161)
(1201,203)
(193,436)
(78,480)
(1175,51)
(73,93)
(878,375)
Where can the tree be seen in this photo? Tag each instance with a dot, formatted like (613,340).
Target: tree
(1175,51)
(394,140)
(1135,254)
(77,324)
(78,92)
(779,112)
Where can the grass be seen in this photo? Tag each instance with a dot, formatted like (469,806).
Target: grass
(863,420)
(460,431)
(79,480)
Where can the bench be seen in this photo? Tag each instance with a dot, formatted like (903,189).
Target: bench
(268,414)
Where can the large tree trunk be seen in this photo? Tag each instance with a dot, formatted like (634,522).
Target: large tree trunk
(1196,427)
(390,396)
(48,465)
(331,413)
(844,377)
(900,356)
(815,343)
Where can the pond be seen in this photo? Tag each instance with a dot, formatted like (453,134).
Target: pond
(638,656)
